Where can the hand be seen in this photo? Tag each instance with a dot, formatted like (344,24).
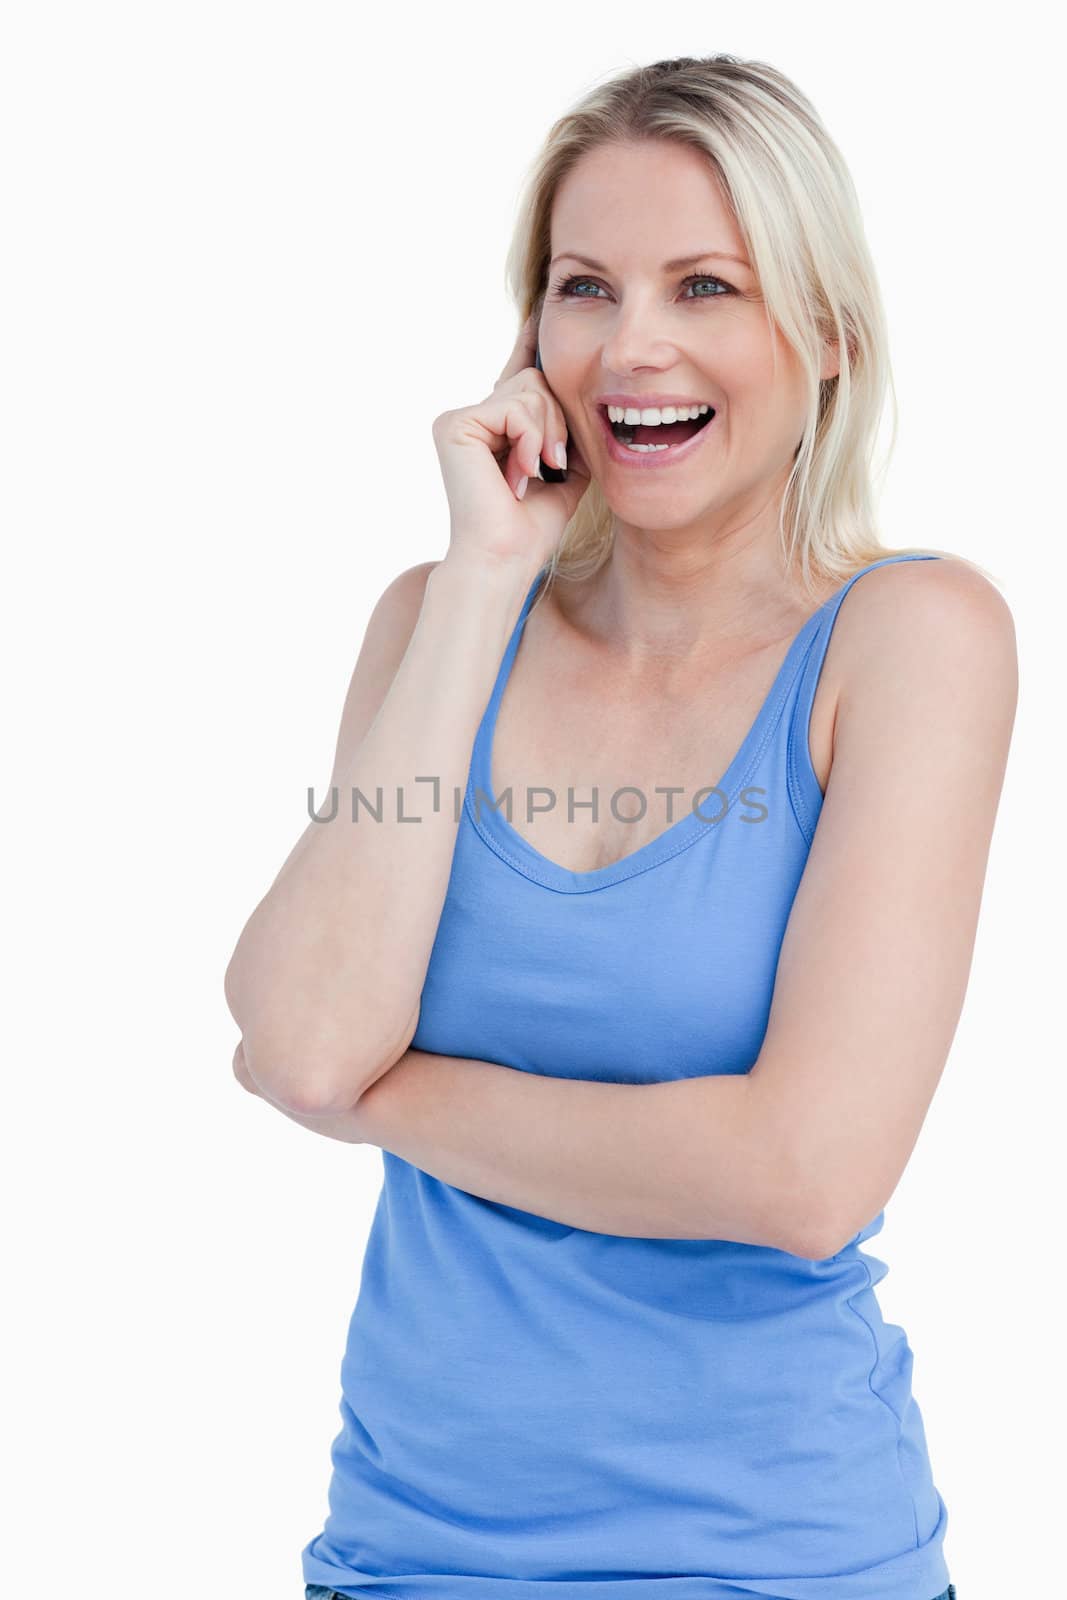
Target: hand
(485,450)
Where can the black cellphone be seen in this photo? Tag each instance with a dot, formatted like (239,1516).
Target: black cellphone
(549,474)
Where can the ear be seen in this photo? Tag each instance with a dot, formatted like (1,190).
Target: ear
(831,360)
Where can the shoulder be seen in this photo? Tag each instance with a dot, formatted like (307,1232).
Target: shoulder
(405,593)
(948,589)
(393,618)
(928,675)
(927,620)
(392,622)
(385,642)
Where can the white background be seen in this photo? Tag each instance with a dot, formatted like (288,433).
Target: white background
(251,251)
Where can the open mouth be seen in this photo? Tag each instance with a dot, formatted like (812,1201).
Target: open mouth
(641,444)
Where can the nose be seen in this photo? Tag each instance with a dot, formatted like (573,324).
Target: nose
(634,350)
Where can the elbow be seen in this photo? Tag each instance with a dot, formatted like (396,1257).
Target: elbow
(296,1074)
(807,1224)
(305,1066)
(814,1243)
(799,1212)
(318,1082)
(810,1228)
(303,1086)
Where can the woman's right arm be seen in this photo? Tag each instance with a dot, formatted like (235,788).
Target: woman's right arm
(326,978)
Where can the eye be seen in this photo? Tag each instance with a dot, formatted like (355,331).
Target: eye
(565,288)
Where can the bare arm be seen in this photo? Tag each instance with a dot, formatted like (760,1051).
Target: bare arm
(685,1159)
(325,979)
(345,1126)
(874,964)
(617,1158)
(806,1148)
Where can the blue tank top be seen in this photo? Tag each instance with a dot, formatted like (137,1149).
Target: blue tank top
(532,1411)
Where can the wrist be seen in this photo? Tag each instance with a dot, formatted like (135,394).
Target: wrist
(506,575)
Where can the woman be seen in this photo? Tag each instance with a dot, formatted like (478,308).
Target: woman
(645,1069)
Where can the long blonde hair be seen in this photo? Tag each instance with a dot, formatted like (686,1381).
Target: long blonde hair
(797,210)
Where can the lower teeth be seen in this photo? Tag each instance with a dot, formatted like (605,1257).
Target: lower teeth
(646,449)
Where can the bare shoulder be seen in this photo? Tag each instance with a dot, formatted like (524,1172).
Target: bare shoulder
(404,595)
(391,624)
(925,612)
(901,591)
(385,642)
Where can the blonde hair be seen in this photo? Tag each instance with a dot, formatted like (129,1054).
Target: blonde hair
(797,210)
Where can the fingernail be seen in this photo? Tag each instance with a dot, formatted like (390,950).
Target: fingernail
(520,488)
(561,455)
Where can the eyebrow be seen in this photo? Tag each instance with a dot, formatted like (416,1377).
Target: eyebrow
(668,266)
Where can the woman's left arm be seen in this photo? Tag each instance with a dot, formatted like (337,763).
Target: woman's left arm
(876,957)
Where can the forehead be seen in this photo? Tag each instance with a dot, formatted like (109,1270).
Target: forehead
(654,199)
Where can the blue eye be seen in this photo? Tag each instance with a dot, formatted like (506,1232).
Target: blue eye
(565,287)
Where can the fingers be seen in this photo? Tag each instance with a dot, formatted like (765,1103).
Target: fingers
(525,437)
(547,436)
(546,431)
(521,361)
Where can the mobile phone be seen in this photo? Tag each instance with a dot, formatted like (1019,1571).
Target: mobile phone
(549,474)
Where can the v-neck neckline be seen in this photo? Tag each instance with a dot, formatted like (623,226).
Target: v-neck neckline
(517,851)
(513,848)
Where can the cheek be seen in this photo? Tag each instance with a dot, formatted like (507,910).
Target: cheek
(763,385)
(740,370)
(763,360)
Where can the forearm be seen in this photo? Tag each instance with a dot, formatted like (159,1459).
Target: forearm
(685,1159)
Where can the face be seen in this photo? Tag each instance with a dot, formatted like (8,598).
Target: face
(631,326)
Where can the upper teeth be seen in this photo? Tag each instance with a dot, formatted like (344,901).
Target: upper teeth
(653,415)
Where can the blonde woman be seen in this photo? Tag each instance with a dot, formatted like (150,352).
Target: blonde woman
(646,1049)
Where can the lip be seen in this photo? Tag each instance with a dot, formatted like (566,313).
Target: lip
(650,460)
(643,401)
